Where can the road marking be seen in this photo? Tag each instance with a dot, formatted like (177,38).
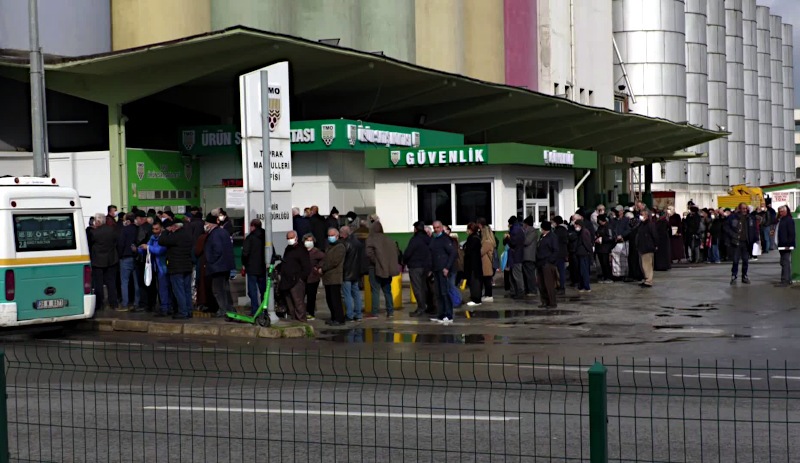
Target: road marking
(288,411)
(792,378)
(717,376)
(645,372)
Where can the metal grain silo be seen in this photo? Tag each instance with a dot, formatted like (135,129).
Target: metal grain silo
(698,61)
(651,38)
(717,92)
(734,54)
(764,96)
(789,149)
(750,60)
(776,72)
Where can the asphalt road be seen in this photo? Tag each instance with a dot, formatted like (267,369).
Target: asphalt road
(82,401)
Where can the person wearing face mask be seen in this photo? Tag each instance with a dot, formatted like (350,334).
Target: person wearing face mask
(295,267)
(354,271)
(312,283)
(646,244)
(332,277)
(584,253)
(333,219)
(219,263)
(255,265)
(715,231)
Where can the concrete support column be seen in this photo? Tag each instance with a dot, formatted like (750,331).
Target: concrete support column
(118,158)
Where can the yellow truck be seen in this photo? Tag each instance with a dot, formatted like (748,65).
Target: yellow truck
(750,195)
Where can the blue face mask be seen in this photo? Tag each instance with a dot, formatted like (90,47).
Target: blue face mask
(438,234)
(331,239)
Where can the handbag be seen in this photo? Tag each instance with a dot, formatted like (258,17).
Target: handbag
(148,269)
(756,249)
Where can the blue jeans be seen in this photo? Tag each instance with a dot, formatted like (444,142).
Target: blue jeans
(164,297)
(127,270)
(352,300)
(386,288)
(256,288)
(182,288)
(765,232)
(374,292)
(713,256)
(443,293)
(584,262)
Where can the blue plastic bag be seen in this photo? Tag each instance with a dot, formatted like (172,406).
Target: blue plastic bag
(455,296)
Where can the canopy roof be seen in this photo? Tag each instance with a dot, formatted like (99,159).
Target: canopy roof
(331,82)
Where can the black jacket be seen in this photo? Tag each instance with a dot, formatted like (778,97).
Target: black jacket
(195,227)
(443,253)
(562,236)
(547,250)
(472,256)
(295,266)
(786,236)
(179,250)
(301,226)
(253,253)
(418,251)
(607,239)
(127,238)
(646,237)
(320,230)
(583,243)
(354,268)
(104,246)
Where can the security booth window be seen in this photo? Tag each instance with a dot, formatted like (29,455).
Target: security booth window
(44,232)
(538,198)
(463,201)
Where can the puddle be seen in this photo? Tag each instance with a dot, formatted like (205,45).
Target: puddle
(663,315)
(689,330)
(693,315)
(372,335)
(501,314)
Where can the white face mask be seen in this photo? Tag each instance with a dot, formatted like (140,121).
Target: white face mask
(713,216)
(309,244)
(292,241)
(221,218)
(642,217)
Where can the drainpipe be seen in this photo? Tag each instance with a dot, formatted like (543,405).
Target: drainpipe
(572,46)
(580,184)
(624,71)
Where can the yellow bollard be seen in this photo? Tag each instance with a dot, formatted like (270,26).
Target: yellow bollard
(397,293)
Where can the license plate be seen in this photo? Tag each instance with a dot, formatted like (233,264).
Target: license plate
(51,304)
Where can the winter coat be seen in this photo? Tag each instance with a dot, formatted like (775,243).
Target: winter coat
(333,264)
(316,256)
(472,256)
(583,245)
(253,258)
(443,253)
(786,237)
(219,252)
(459,267)
(530,244)
(382,252)
(607,239)
(547,251)
(179,250)
(516,244)
(646,237)
(301,226)
(104,246)
(418,251)
(488,249)
(319,229)
(562,236)
(195,227)
(354,268)
(158,254)
(732,226)
(127,238)
(295,266)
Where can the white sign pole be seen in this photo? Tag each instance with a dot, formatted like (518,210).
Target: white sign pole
(267,185)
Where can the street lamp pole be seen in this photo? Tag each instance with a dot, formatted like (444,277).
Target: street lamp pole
(38,131)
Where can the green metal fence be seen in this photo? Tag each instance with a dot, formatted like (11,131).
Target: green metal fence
(120,402)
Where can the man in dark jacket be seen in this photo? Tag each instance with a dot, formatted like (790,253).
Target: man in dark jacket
(691,231)
(515,239)
(147,294)
(353,274)
(547,255)
(126,249)
(180,247)
(646,239)
(529,256)
(443,259)
(584,254)
(605,240)
(300,223)
(105,261)
(333,219)
(318,228)
(785,238)
(219,263)
(332,271)
(562,236)
(741,232)
(295,268)
(417,258)
(255,265)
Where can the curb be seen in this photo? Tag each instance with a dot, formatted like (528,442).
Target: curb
(196,329)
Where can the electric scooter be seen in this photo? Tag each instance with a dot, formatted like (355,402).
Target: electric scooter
(261,317)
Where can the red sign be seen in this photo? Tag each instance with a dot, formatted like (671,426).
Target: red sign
(233,182)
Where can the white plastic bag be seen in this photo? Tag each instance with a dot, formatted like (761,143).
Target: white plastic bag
(148,270)
(756,249)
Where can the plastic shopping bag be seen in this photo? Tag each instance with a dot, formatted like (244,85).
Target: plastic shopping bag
(148,270)
(756,249)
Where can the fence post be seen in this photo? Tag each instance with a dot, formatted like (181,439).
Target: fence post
(598,414)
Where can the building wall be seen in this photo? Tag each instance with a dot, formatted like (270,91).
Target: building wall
(66,27)
(332,178)
(141,22)
(520,26)
(484,40)
(439,34)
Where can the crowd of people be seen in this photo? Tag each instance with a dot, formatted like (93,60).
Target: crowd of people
(173,264)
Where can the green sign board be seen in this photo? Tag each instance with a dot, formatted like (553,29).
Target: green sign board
(347,135)
(322,135)
(162,178)
(472,155)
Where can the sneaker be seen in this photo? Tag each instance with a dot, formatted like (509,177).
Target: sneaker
(390,315)
(733,280)
(473,304)
(310,317)
(446,321)
(487,299)
(437,320)
(745,280)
